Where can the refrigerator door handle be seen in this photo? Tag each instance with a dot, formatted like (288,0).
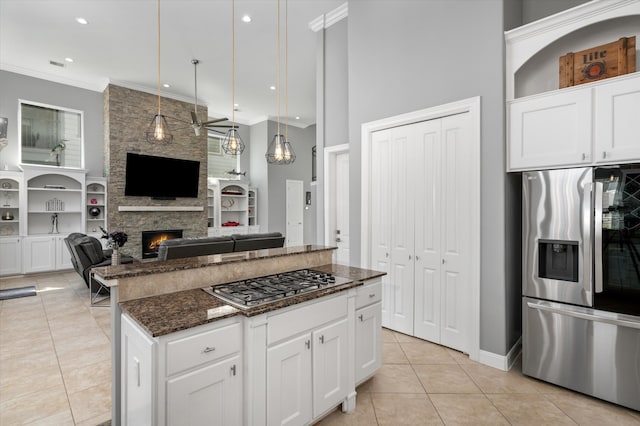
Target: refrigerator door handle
(597,236)
(587,225)
(576,313)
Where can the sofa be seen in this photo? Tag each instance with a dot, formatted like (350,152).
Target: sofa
(189,247)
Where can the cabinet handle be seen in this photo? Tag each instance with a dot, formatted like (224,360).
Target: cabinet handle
(604,154)
(409,257)
(386,255)
(443,261)
(584,156)
(417,258)
(372,295)
(208,349)
(137,369)
(308,344)
(361,317)
(233,370)
(322,339)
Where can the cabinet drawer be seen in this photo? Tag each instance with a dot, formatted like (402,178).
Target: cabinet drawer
(305,318)
(204,347)
(369,293)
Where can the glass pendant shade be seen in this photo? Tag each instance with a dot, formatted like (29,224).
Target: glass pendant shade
(280,151)
(158,131)
(232,143)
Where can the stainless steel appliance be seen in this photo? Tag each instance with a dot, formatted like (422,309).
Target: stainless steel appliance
(258,291)
(581,280)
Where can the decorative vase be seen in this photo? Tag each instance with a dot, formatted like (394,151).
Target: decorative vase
(94,211)
(115,256)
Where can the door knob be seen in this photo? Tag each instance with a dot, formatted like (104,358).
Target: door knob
(338,240)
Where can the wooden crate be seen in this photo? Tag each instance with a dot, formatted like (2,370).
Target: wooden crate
(599,62)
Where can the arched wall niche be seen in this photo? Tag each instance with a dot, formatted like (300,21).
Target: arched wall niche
(540,73)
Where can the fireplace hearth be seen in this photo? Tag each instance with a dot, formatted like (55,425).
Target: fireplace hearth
(151,241)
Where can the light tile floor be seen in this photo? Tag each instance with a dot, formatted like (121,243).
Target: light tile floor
(55,369)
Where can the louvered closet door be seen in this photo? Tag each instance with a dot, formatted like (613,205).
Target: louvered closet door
(402,228)
(381,217)
(428,208)
(455,228)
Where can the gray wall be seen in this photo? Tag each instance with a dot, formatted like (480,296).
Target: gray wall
(302,140)
(533,10)
(258,171)
(404,56)
(336,100)
(16,86)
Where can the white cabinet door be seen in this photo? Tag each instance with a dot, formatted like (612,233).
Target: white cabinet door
(330,366)
(617,118)
(10,256)
(63,257)
(381,217)
(289,382)
(368,341)
(137,376)
(39,254)
(550,130)
(210,396)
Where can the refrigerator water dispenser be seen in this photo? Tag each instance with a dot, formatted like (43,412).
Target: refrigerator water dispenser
(558,260)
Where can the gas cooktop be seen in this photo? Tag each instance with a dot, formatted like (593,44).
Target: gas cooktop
(259,291)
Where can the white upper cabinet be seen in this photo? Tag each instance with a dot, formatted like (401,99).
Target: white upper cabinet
(588,124)
(617,118)
(552,130)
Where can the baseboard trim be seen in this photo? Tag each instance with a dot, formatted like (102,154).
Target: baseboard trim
(501,362)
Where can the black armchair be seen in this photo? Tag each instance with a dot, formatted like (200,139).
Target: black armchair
(87,253)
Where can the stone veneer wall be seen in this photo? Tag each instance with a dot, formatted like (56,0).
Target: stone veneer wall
(127,115)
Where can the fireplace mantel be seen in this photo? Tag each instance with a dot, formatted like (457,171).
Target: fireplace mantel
(160,208)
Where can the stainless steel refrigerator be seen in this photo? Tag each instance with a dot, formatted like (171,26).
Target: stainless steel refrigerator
(581,280)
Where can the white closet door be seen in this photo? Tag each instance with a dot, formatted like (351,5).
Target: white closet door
(402,186)
(380,217)
(428,207)
(455,228)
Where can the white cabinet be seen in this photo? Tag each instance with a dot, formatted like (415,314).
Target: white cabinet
(594,123)
(368,348)
(289,382)
(138,378)
(550,130)
(421,225)
(10,187)
(10,256)
(191,377)
(308,362)
(209,396)
(617,119)
(330,366)
(45,253)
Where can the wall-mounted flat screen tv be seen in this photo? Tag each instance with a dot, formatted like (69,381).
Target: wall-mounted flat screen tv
(161,177)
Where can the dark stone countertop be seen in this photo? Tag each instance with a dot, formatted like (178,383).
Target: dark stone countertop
(168,313)
(156,267)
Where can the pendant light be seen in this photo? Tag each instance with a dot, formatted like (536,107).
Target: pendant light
(158,131)
(279,150)
(232,142)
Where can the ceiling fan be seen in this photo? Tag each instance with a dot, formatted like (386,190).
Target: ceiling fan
(195,121)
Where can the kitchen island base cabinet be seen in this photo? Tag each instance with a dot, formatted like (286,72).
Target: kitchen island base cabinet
(368,341)
(208,396)
(138,377)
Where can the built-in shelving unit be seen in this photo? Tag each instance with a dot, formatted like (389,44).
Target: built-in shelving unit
(96,205)
(252,207)
(10,183)
(232,208)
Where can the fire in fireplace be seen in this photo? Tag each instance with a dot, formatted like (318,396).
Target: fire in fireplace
(151,241)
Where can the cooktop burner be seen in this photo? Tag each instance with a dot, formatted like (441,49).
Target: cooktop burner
(258,291)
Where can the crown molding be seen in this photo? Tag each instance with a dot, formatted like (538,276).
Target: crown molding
(329,18)
(82,84)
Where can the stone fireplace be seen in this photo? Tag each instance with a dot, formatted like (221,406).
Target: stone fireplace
(151,241)
(127,114)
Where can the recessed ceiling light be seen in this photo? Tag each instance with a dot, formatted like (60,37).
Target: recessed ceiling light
(297,117)
(68,59)
(82,21)
(272,87)
(246,18)
(236,105)
(166,85)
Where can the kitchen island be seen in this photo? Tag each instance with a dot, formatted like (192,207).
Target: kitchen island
(162,369)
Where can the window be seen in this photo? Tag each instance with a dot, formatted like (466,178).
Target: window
(220,163)
(51,135)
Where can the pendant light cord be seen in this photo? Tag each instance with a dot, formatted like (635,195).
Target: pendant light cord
(278,66)
(158,57)
(233,64)
(286,69)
